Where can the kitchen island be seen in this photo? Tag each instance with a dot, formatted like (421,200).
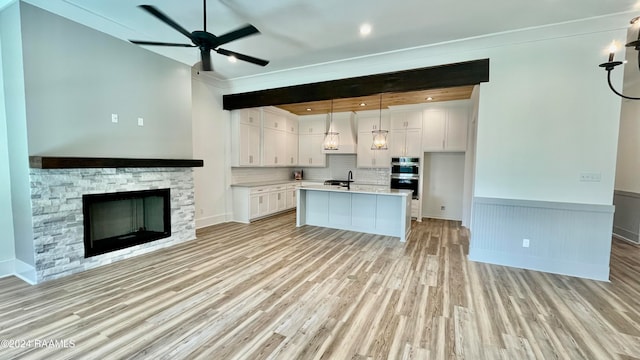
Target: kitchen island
(369,210)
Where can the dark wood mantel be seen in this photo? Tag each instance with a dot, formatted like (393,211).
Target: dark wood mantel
(61,162)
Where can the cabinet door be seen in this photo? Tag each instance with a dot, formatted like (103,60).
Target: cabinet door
(263,204)
(292,125)
(291,198)
(382,159)
(413,142)
(254,206)
(396,141)
(365,157)
(433,130)
(406,120)
(312,124)
(273,121)
(274,148)
(456,130)
(291,155)
(310,150)
(249,146)
(250,116)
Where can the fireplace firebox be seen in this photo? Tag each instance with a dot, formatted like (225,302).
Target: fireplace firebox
(114,221)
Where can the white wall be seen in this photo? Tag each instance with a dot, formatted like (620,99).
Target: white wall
(211,126)
(7,248)
(546,117)
(12,70)
(76,77)
(443,185)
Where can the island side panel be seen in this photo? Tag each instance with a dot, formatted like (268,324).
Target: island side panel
(301,207)
(364,212)
(406,226)
(389,218)
(317,208)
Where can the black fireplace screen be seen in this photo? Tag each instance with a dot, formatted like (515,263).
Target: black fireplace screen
(115,221)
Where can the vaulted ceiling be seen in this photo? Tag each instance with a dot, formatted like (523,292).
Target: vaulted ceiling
(300,33)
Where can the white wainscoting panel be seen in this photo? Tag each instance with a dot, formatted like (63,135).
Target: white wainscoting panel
(564,238)
(626,221)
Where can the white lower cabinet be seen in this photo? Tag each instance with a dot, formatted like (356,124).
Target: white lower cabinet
(255,202)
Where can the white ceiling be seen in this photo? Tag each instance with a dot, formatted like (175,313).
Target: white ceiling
(298,33)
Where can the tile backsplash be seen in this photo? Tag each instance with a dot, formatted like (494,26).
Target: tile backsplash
(338,167)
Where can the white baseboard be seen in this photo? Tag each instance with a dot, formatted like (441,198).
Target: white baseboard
(25,272)
(620,237)
(7,268)
(210,220)
(14,267)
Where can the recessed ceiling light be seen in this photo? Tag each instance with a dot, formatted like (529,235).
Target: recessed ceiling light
(429,98)
(363,104)
(365,29)
(232,59)
(308,109)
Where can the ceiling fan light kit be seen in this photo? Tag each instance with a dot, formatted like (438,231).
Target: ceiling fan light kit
(611,64)
(204,40)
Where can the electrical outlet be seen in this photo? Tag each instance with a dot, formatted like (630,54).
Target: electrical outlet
(590,177)
(140,121)
(114,118)
(443,208)
(525,243)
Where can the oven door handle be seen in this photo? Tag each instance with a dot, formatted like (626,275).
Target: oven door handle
(405,176)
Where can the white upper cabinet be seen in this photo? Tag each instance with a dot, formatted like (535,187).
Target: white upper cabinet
(435,121)
(311,129)
(264,137)
(405,136)
(274,120)
(445,126)
(291,143)
(369,121)
(410,119)
(312,124)
(246,130)
(373,120)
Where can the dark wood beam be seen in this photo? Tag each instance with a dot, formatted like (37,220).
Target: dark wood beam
(60,162)
(434,77)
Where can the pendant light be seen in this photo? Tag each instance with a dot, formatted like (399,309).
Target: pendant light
(331,137)
(379,135)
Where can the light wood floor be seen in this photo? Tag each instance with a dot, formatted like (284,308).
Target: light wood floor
(270,290)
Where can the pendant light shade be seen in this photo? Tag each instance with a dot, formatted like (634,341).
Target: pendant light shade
(379,135)
(331,137)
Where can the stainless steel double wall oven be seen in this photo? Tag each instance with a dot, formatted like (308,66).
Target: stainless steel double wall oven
(405,174)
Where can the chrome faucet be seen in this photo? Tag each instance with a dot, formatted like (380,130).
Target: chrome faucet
(349,179)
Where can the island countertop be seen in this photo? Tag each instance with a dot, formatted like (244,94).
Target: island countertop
(360,189)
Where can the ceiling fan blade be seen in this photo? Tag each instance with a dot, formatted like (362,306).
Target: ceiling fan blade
(205,55)
(243,57)
(237,34)
(139,42)
(167,20)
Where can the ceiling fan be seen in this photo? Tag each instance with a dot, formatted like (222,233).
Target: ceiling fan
(204,40)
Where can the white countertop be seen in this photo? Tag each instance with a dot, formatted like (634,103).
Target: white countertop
(359,189)
(275,182)
(299,182)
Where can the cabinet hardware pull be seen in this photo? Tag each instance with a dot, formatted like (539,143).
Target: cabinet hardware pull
(250,159)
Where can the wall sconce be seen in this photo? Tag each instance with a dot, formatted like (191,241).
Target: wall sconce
(611,64)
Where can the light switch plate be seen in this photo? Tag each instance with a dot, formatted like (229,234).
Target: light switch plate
(140,121)
(114,118)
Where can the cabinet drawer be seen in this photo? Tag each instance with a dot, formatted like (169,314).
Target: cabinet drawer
(260,189)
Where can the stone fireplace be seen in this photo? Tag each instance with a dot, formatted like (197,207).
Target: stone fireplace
(58,219)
